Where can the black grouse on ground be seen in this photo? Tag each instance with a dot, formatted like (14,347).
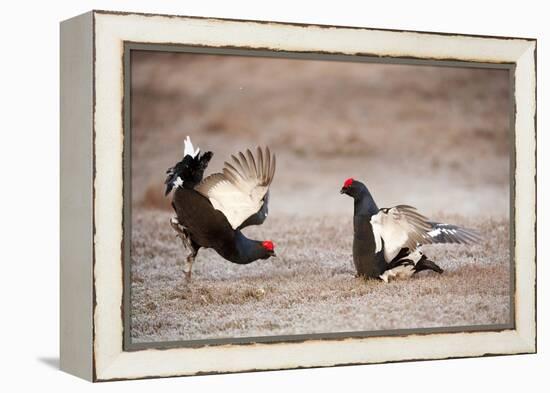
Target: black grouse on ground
(386,241)
(211,212)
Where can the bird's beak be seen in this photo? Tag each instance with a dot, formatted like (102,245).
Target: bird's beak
(343,190)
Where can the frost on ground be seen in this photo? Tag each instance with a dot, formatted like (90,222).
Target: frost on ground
(436,138)
(310,286)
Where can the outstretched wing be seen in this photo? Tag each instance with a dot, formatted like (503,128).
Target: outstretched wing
(398,227)
(403,227)
(447,233)
(241,190)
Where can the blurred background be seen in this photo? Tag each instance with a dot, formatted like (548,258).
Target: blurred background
(433,137)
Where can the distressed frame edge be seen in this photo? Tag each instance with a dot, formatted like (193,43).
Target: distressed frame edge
(525,192)
(76,207)
(304,24)
(526,339)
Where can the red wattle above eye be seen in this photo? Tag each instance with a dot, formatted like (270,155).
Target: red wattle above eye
(268,245)
(348,182)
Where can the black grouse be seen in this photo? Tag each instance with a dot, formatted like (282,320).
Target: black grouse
(211,212)
(189,171)
(386,241)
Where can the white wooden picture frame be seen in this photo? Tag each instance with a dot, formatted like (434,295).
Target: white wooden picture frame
(92,193)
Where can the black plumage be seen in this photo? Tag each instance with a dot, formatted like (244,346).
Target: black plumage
(367,261)
(209,228)
(211,212)
(188,172)
(386,241)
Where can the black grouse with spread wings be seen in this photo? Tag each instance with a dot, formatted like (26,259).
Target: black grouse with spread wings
(386,241)
(212,213)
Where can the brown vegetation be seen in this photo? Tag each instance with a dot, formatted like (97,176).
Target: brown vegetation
(310,286)
(436,138)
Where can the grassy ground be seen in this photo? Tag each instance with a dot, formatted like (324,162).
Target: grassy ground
(433,137)
(310,286)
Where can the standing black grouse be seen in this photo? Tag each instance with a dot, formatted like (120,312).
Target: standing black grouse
(211,212)
(386,241)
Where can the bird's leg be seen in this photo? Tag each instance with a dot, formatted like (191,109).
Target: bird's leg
(189,263)
(180,232)
(186,240)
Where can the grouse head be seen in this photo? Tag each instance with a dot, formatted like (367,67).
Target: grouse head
(268,249)
(352,187)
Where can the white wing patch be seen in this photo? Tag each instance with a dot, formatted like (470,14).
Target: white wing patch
(178,182)
(397,228)
(239,191)
(438,231)
(236,204)
(447,233)
(403,227)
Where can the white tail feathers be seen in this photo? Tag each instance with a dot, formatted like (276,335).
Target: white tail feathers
(188,149)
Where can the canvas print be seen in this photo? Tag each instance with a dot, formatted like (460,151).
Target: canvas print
(278,198)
